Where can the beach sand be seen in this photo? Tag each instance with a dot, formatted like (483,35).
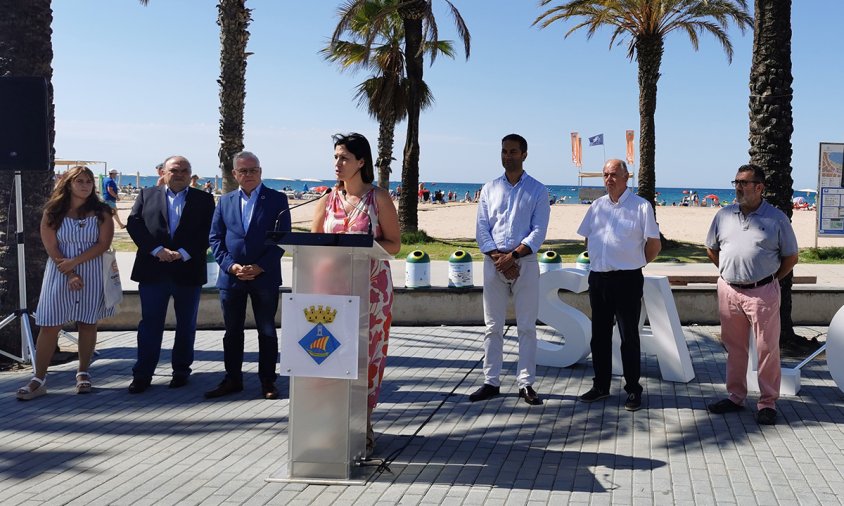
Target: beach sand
(457,221)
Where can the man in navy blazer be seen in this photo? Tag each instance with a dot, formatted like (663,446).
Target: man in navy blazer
(248,268)
(170,226)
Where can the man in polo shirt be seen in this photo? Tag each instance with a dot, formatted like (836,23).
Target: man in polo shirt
(513,214)
(621,237)
(754,246)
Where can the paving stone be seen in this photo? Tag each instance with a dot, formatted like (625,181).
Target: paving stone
(173,447)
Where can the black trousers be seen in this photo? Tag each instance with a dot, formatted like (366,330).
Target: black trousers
(616,295)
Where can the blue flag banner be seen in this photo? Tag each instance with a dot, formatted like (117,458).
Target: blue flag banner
(597,140)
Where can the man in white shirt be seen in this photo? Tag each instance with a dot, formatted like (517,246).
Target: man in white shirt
(513,214)
(621,237)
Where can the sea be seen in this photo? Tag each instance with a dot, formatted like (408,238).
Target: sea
(562,194)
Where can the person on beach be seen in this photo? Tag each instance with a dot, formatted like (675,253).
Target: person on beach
(754,246)
(170,226)
(110,196)
(159,169)
(248,268)
(76,229)
(622,236)
(194,181)
(512,221)
(356,206)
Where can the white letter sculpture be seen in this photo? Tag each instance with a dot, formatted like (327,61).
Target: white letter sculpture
(663,338)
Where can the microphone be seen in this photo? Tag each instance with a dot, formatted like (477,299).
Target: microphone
(278,218)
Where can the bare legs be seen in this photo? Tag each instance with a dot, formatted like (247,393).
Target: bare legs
(87,342)
(45,346)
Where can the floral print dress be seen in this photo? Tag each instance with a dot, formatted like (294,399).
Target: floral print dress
(380,280)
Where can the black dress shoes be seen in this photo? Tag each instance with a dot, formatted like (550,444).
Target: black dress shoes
(268,390)
(225,387)
(178,382)
(633,402)
(484,393)
(529,395)
(138,386)
(593,395)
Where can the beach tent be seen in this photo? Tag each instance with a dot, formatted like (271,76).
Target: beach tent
(72,163)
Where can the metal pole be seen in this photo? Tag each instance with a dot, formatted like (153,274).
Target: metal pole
(27,345)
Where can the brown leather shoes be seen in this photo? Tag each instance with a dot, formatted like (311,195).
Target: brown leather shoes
(487,391)
(268,390)
(225,387)
(138,386)
(529,395)
(178,382)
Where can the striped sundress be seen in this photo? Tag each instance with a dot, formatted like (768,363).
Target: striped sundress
(380,282)
(58,304)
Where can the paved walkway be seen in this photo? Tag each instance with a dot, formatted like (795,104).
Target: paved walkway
(173,447)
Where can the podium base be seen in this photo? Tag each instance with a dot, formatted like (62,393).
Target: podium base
(359,476)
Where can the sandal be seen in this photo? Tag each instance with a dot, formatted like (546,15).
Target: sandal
(83,383)
(26,393)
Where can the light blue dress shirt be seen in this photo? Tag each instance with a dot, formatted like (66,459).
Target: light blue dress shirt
(512,214)
(247,206)
(175,206)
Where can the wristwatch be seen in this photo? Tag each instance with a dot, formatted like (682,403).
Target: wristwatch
(515,254)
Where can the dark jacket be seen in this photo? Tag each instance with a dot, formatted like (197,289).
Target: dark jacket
(148,227)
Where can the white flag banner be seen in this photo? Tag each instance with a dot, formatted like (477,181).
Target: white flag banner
(319,335)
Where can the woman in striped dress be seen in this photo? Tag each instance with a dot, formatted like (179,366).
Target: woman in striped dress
(76,229)
(357,206)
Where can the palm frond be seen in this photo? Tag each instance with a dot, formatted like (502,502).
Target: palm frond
(462,29)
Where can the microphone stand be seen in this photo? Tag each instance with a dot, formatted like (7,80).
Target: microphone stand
(278,218)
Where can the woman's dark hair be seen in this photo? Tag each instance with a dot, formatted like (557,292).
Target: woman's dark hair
(358,146)
(58,204)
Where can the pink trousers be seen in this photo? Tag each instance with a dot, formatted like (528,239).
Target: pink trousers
(740,310)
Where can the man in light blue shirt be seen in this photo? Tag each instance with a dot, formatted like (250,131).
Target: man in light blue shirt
(513,213)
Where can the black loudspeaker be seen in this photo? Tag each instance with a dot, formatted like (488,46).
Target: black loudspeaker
(24,142)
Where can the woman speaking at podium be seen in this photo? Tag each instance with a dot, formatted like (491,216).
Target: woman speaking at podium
(76,230)
(356,206)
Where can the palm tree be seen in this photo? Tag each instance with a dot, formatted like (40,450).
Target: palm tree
(771,126)
(419,24)
(384,94)
(646,23)
(26,49)
(233,18)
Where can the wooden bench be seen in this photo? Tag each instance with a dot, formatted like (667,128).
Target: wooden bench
(685,279)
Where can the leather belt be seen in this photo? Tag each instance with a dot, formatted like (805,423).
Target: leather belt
(761,282)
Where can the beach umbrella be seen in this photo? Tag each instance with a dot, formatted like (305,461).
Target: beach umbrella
(685,192)
(320,189)
(711,196)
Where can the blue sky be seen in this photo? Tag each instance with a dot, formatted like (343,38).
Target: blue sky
(134,84)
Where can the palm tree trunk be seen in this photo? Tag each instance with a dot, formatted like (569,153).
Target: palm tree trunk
(408,220)
(233,18)
(386,136)
(26,49)
(771,126)
(649,51)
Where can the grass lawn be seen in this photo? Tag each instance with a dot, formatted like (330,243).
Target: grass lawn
(569,250)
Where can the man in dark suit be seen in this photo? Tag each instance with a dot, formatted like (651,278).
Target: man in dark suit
(170,226)
(248,268)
